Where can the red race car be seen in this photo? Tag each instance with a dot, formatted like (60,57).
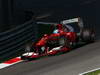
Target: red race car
(63,39)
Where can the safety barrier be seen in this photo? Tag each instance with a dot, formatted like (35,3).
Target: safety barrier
(13,40)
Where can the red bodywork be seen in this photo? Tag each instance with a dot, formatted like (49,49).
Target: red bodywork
(42,43)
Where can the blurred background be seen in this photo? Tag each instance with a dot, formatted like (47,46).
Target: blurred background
(16,12)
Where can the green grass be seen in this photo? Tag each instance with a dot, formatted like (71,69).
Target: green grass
(97,72)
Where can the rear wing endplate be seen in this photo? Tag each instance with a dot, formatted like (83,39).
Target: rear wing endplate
(74,20)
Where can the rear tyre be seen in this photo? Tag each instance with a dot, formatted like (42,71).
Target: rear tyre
(88,35)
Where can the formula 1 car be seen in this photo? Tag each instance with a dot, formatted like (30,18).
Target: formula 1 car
(63,39)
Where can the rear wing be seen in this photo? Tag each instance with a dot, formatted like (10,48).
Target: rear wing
(45,23)
(74,20)
(78,20)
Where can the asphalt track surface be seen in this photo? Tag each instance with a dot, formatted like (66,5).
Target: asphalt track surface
(71,63)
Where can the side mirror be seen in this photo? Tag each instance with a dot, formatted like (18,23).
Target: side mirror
(45,35)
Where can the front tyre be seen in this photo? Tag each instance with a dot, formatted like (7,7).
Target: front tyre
(63,41)
(23,58)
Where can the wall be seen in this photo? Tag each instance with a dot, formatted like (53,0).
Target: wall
(3,15)
(58,8)
(20,11)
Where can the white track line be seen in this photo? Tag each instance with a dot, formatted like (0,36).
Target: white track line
(89,71)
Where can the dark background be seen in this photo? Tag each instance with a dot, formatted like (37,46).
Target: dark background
(16,12)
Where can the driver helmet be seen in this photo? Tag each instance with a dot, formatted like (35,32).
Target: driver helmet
(55,31)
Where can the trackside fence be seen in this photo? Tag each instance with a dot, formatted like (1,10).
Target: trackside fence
(13,40)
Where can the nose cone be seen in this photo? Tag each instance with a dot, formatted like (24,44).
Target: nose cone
(41,42)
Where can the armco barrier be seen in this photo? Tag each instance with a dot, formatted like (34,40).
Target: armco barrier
(13,41)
